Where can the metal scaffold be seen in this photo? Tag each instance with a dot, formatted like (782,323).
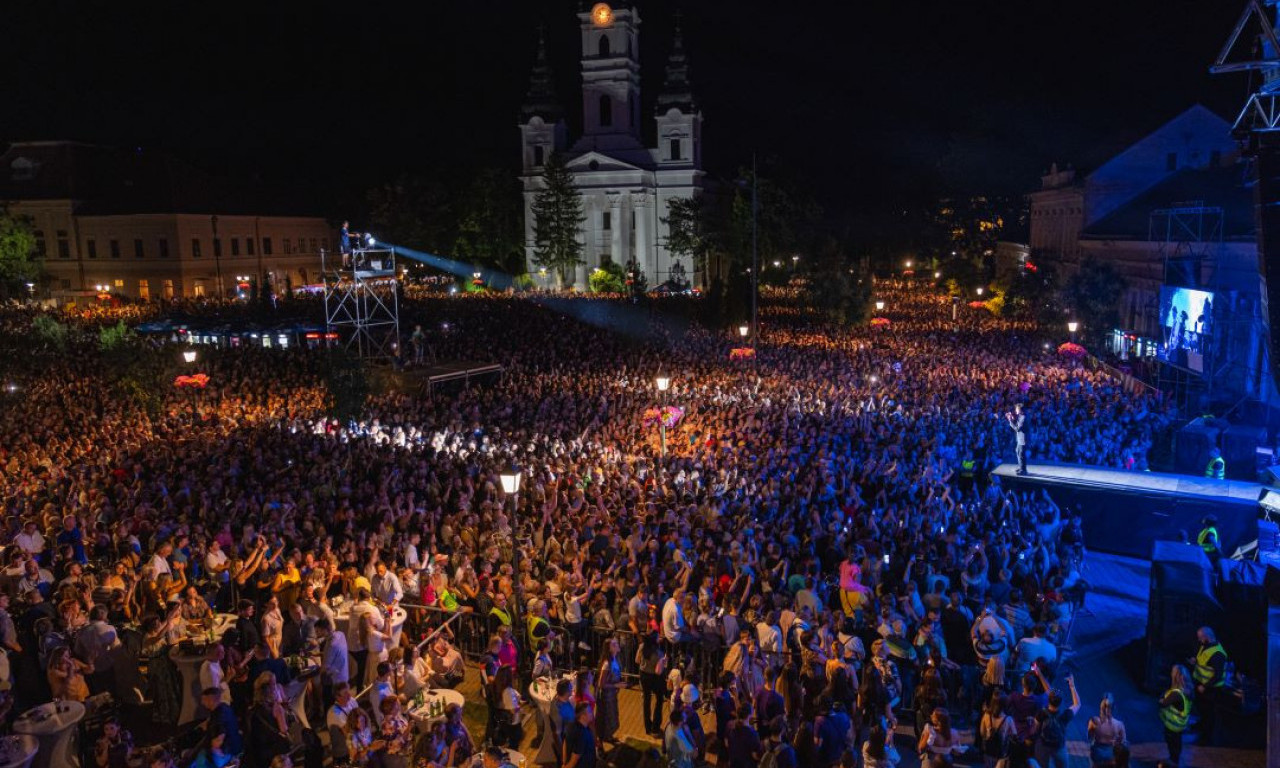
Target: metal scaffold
(362,301)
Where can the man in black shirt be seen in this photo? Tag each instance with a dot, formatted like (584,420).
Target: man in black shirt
(579,741)
(246,629)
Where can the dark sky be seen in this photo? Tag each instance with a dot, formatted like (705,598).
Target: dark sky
(861,102)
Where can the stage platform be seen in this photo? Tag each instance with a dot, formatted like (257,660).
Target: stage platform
(462,371)
(1125,512)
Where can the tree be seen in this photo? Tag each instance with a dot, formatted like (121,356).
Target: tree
(412,212)
(19,261)
(489,223)
(609,278)
(1094,293)
(685,231)
(834,289)
(558,217)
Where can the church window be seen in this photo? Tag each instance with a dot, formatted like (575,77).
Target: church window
(675,149)
(606,111)
(537,155)
(603,48)
(606,220)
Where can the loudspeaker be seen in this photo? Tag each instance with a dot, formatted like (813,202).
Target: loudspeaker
(1191,448)
(1240,450)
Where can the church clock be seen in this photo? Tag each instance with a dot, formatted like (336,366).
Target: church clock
(602,14)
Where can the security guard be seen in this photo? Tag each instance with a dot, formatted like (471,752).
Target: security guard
(1208,540)
(1216,468)
(1209,674)
(1175,712)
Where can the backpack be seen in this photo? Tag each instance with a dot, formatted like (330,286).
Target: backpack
(996,745)
(770,759)
(1051,734)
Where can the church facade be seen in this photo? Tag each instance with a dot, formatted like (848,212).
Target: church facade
(626,187)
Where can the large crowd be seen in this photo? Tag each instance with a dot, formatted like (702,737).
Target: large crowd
(813,554)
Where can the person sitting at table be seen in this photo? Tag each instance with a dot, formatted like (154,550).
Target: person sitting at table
(212,752)
(394,734)
(447,667)
(359,737)
(195,610)
(66,675)
(114,748)
(412,670)
(222,717)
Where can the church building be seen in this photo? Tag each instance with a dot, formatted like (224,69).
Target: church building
(626,187)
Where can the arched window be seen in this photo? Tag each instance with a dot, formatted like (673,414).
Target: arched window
(604,45)
(606,111)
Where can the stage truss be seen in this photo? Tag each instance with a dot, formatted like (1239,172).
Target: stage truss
(362,301)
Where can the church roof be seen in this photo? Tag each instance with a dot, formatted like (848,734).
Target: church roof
(677,91)
(541,99)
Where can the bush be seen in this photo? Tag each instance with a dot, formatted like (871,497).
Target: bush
(522,281)
(49,332)
(609,278)
(115,337)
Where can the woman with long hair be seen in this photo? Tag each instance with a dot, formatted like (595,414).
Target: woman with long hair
(394,734)
(66,675)
(929,695)
(938,740)
(1175,711)
(878,750)
(359,736)
(653,665)
(995,731)
(1106,735)
(608,682)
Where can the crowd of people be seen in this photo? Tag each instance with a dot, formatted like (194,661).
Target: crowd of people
(813,553)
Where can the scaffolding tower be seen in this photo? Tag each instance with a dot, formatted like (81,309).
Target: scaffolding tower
(362,301)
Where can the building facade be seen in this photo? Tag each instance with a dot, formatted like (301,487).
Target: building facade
(626,187)
(146,228)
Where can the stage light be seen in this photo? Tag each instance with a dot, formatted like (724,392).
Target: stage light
(874,379)
(1046,345)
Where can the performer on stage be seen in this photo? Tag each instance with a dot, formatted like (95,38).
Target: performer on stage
(1017,422)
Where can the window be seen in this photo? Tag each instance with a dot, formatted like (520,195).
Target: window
(39,247)
(65,283)
(603,47)
(315,245)
(235,246)
(606,111)
(164,248)
(1171,161)
(266,246)
(288,246)
(675,149)
(1215,158)
(64,248)
(167,289)
(217,247)
(91,246)
(195,247)
(248,245)
(119,284)
(537,155)
(607,220)
(115,249)
(198,290)
(302,245)
(137,249)
(144,290)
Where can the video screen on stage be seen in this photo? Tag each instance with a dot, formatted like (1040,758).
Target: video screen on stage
(1185,317)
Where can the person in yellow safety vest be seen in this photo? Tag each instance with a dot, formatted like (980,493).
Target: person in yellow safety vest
(498,614)
(1175,711)
(537,623)
(1209,675)
(1216,468)
(1208,540)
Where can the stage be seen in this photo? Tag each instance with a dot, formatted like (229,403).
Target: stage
(1125,512)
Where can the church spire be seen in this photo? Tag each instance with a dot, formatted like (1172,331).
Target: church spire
(676,89)
(541,99)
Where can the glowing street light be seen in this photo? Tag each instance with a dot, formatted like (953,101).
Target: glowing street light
(909,263)
(1073,326)
(189,355)
(663,382)
(510,483)
(937,275)
(980,290)
(879,306)
(744,330)
(510,487)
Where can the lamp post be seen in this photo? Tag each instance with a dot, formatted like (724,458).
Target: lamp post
(980,290)
(189,357)
(744,331)
(1072,327)
(879,306)
(664,383)
(510,487)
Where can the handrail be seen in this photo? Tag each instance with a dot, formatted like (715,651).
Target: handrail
(436,631)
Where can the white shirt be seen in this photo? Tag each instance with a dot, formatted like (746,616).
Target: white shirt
(159,566)
(411,559)
(338,713)
(211,676)
(387,587)
(215,560)
(381,690)
(32,544)
(770,638)
(359,610)
(672,620)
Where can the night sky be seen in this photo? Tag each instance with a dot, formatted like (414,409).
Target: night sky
(864,104)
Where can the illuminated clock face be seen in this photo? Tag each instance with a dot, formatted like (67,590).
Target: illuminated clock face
(602,15)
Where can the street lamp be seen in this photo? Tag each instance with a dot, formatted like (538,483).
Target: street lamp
(980,290)
(664,383)
(189,355)
(909,262)
(510,487)
(879,306)
(937,275)
(1073,326)
(744,330)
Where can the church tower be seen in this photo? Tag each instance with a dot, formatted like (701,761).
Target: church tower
(542,127)
(678,120)
(610,77)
